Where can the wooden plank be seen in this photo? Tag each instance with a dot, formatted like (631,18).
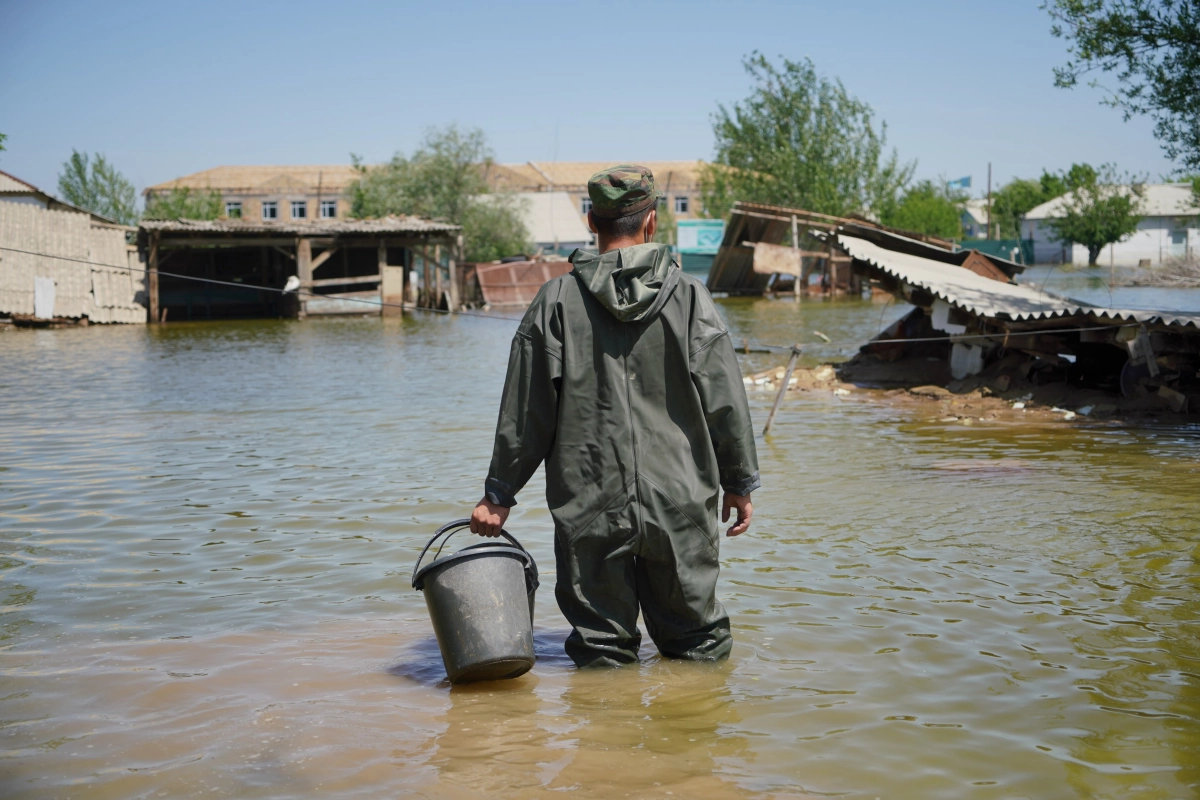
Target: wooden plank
(304,273)
(152,280)
(346,281)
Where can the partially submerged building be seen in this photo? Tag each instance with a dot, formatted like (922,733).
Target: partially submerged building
(969,319)
(1169,231)
(239,267)
(752,259)
(62,265)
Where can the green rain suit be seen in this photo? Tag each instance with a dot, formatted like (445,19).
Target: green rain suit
(623,379)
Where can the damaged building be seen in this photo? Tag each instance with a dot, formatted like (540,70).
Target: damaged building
(973,326)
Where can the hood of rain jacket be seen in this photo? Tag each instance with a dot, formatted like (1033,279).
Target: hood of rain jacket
(622,378)
(632,283)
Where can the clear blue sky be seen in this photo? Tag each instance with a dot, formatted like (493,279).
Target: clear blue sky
(165,89)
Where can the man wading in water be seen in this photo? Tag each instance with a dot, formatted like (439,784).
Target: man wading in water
(622,377)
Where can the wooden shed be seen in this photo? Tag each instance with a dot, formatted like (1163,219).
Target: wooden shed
(344,266)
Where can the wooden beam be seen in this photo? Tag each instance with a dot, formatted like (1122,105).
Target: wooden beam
(283,252)
(304,272)
(321,259)
(152,312)
(346,281)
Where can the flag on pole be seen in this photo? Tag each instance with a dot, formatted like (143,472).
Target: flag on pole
(961,183)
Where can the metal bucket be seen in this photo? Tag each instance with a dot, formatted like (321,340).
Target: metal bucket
(480,601)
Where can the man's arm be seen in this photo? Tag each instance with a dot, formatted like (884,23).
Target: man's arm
(718,379)
(528,418)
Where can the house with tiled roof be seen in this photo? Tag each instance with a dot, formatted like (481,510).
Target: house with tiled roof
(271,192)
(679,181)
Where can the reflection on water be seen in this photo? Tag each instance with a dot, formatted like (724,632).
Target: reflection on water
(206,533)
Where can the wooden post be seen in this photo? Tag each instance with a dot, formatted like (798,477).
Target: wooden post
(830,276)
(437,272)
(455,293)
(152,311)
(799,259)
(787,376)
(304,273)
(381,264)
(428,277)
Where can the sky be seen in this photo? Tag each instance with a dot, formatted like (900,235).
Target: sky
(167,89)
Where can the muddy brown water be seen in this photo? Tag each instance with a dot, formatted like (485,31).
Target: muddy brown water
(206,533)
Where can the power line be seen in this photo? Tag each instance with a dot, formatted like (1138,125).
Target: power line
(380,303)
(277,290)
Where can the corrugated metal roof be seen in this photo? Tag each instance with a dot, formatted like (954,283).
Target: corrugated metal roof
(1158,200)
(988,298)
(84,260)
(14,185)
(317,227)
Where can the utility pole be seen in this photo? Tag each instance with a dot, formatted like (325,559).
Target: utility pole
(989,204)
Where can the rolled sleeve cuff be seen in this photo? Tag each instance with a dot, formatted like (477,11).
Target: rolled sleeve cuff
(498,493)
(742,487)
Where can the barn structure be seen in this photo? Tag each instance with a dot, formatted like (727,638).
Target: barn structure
(228,268)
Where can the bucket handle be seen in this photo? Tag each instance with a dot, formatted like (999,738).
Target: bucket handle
(454,527)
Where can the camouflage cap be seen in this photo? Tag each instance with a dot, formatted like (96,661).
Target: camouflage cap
(621,190)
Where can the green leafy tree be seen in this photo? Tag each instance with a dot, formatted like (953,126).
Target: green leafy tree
(1152,47)
(1012,201)
(97,186)
(1099,211)
(800,140)
(3,136)
(444,180)
(183,203)
(929,208)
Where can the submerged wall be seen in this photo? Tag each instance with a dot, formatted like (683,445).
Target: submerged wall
(97,283)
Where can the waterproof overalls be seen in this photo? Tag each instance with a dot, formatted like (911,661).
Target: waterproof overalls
(623,379)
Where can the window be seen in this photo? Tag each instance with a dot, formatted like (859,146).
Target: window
(585,206)
(681,205)
(233,209)
(328,209)
(299,209)
(270,209)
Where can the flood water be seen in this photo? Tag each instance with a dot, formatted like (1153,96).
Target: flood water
(207,533)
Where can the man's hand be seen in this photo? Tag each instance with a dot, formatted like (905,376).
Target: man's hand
(488,518)
(744,512)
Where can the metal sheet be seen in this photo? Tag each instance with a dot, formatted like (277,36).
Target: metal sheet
(518,282)
(989,298)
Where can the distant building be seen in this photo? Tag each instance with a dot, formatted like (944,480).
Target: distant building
(15,190)
(553,222)
(60,264)
(1170,229)
(679,181)
(285,193)
(975,219)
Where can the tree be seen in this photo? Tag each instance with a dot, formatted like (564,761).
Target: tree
(800,140)
(183,203)
(667,228)
(3,136)
(929,208)
(1098,212)
(1012,201)
(444,180)
(1153,48)
(97,186)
